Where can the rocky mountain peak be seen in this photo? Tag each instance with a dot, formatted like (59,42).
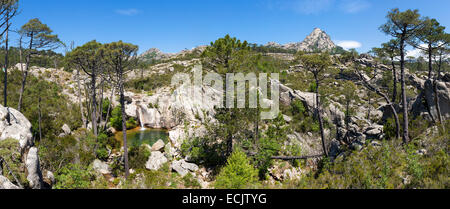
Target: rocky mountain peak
(317,40)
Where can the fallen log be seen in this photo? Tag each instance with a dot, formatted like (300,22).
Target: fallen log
(296,157)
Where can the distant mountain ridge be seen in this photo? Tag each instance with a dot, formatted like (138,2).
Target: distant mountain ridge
(318,40)
(155,54)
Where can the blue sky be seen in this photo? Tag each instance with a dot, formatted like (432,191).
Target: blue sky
(174,25)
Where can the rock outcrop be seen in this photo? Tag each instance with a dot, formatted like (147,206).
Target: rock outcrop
(318,40)
(183,168)
(34,169)
(168,109)
(101,167)
(6,184)
(155,161)
(424,104)
(18,128)
(443,91)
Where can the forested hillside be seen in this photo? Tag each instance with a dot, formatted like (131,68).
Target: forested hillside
(101,116)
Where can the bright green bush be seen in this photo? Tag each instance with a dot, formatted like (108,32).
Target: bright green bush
(116,120)
(238,173)
(74,176)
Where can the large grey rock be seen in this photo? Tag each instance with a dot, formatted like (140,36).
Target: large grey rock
(183,168)
(51,177)
(33,169)
(443,90)
(158,146)
(101,167)
(19,127)
(374,131)
(169,108)
(66,129)
(155,161)
(6,184)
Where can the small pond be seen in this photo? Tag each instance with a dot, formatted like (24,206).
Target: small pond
(138,136)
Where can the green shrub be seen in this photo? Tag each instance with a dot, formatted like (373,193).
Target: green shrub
(116,120)
(10,152)
(204,151)
(238,173)
(138,156)
(74,176)
(102,154)
(191,182)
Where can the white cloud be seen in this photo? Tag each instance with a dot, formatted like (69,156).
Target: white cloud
(354,6)
(416,53)
(349,44)
(128,12)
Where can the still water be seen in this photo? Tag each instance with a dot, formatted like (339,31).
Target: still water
(138,136)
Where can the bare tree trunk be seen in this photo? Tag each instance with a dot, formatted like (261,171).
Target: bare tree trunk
(436,96)
(5,89)
(80,101)
(100,108)
(257,125)
(94,104)
(124,124)
(430,62)
(394,74)
(229,145)
(404,101)
(319,115)
(386,98)
(109,107)
(25,73)
(40,119)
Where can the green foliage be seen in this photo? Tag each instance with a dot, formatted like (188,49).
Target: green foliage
(238,173)
(312,87)
(56,109)
(40,35)
(316,63)
(42,58)
(204,151)
(87,57)
(298,108)
(418,126)
(348,56)
(10,152)
(116,120)
(73,176)
(270,49)
(270,145)
(151,83)
(131,123)
(57,152)
(149,179)
(225,51)
(191,182)
(138,156)
(303,121)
